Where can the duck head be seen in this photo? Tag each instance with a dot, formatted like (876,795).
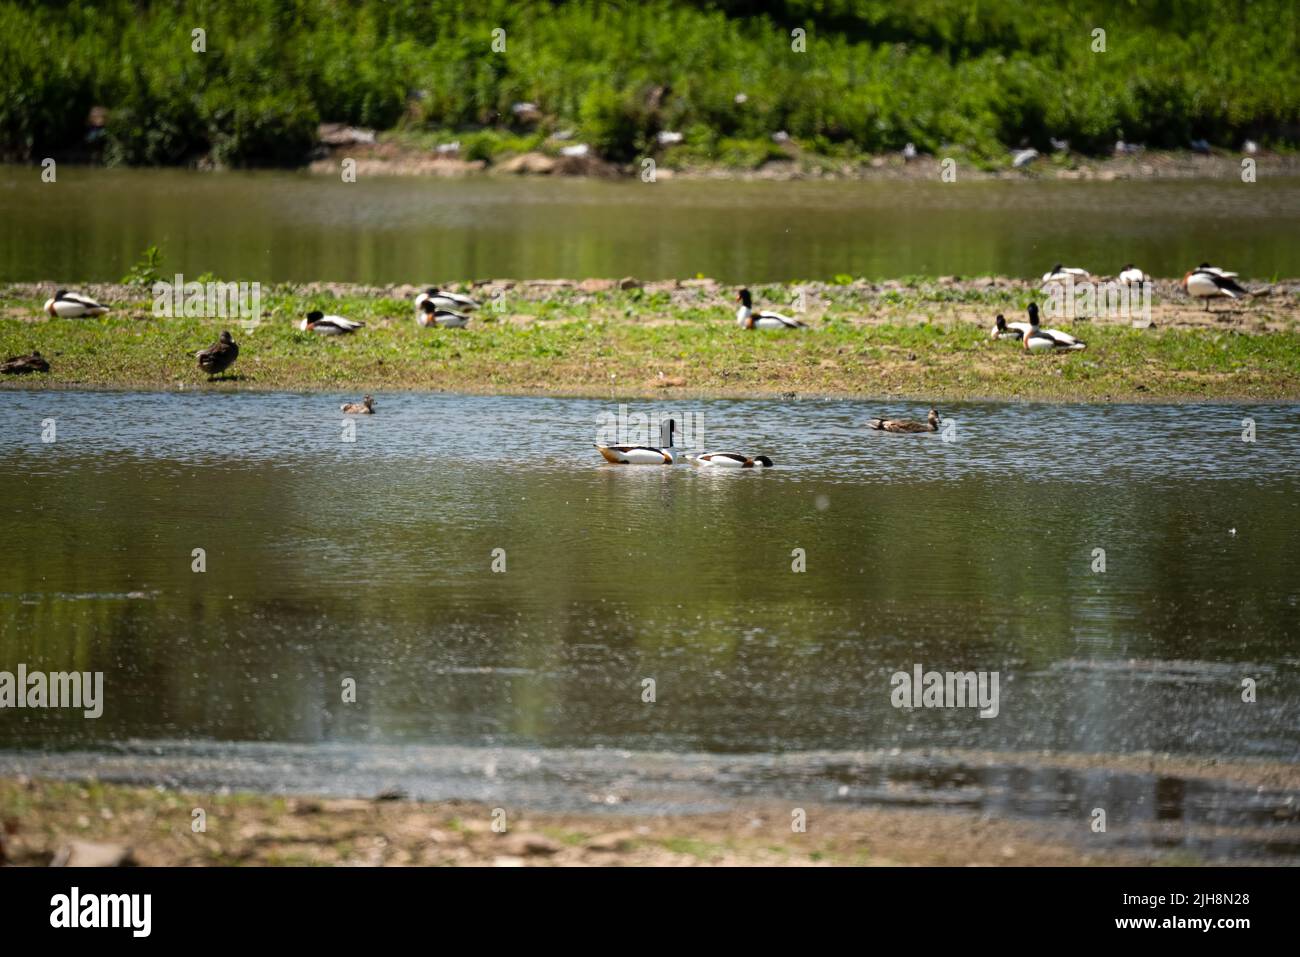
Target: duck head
(225,338)
(1033,314)
(666,432)
(1055,269)
(745,299)
(314,317)
(933,418)
(999,325)
(368,402)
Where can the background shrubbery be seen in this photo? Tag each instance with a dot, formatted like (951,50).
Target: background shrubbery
(878,74)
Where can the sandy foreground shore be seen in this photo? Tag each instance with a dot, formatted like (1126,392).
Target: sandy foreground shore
(86,821)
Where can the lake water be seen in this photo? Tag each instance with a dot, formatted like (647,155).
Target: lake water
(372,560)
(92,224)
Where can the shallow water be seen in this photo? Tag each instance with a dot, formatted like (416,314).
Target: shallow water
(270,226)
(372,560)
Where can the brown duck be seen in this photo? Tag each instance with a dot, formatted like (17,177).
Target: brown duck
(20,365)
(365,407)
(219,356)
(931,424)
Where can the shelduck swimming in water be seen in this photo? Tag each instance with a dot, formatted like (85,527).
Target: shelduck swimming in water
(1131,275)
(20,365)
(219,356)
(1049,340)
(1059,273)
(904,426)
(431,314)
(730,460)
(643,454)
(747,318)
(446,300)
(316,321)
(365,407)
(73,305)
(1208,282)
(1009,330)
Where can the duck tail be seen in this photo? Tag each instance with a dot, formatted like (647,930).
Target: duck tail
(1079,345)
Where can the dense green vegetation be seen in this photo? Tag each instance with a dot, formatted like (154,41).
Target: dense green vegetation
(875,75)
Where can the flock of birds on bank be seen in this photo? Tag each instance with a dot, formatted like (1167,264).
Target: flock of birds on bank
(442,309)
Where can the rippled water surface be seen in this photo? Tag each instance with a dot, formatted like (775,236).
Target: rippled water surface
(372,560)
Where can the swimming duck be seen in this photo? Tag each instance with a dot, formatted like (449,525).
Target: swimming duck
(1207,282)
(643,454)
(730,460)
(219,356)
(1009,330)
(21,365)
(1131,274)
(1059,273)
(446,300)
(431,314)
(365,407)
(316,321)
(931,424)
(747,318)
(73,305)
(1049,340)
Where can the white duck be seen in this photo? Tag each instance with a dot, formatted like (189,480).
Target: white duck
(73,305)
(747,318)
(1207,282)
(431,314)
(1049,340)
(321,324)
(729,460)
(446,300)
(643,454)
(1009,330)
(1131,275)
(1059,273)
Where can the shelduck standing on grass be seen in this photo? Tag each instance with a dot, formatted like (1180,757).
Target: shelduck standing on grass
(73,305)
(906,426)
(431,314)
(316,321)
(1208,282)
(1009,330)
(1061,273)
(643,454)
(1131,275)
(730,460)
(747,318)
(445,300)
(1049,340)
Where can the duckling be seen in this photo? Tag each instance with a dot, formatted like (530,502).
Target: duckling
(219,356)
(21,365)
(365,407)
(73,305)
(316,321)
(931,424)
